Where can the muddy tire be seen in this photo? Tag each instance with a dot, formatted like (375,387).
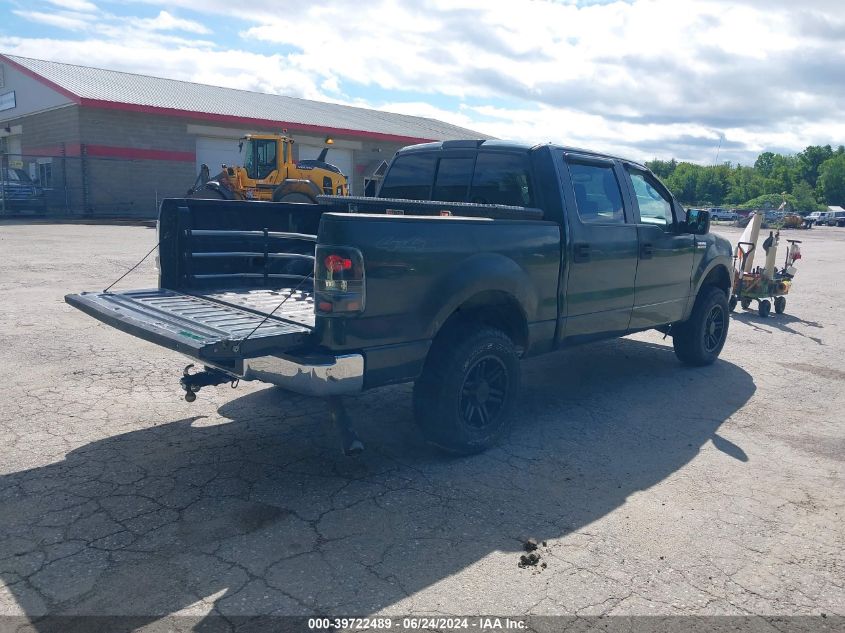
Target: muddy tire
(699,340)
(764,308)
(780,305)
(464,399)
(732,303)
(745,303)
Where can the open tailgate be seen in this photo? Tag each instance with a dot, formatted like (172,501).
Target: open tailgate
(201,328)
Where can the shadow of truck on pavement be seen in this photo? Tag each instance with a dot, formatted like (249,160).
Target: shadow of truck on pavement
(263,515)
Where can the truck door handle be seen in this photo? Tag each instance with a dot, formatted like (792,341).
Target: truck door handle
(646,251)
(581,252)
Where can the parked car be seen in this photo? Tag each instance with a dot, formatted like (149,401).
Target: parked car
(18,190)
(822,217)
(719,213)
(836,218)
(813,218)
(475,254)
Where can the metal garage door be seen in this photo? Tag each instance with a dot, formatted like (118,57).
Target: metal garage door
(215,151)
(341,158)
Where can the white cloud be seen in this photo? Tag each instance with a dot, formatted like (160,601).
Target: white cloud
(164,21)
(165,58)
(643,77)
(75,5)
(70,22)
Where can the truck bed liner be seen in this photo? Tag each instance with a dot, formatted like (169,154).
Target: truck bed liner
(299,307)
(207,327)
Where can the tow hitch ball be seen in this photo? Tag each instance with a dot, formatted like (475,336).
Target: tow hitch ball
(208,377)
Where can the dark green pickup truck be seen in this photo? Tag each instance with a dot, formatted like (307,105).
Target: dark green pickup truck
(474,255)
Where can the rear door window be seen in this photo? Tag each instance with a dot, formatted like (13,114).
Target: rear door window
(453,178)
(502,179)
(597,193)
(409,177)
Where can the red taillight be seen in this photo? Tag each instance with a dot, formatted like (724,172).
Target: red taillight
(339,287)
(336,263)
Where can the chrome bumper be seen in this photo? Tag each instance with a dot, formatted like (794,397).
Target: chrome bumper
(324,376)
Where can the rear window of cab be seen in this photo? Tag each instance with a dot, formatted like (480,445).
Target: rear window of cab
(485,178)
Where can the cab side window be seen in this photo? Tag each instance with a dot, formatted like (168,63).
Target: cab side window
(452,181)
(502,178)
(597,193)
(410,177)
(655,204)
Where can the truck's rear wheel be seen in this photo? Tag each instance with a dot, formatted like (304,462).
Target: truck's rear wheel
(699,340)
(464,398)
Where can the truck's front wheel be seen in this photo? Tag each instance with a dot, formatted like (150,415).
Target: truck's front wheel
(465,396)
(699,340)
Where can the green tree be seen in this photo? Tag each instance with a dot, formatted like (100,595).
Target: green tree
(683,182)
(744,183)
(662,168)
(768,201)
(709,186)
(810,162)
(831,182)
(765,163)
(805,198)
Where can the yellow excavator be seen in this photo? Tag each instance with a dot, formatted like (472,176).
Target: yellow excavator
(270,173)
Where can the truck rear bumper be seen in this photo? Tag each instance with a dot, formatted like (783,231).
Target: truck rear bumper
(313,376)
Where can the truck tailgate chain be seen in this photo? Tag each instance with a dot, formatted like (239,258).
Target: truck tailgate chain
(150,252)
(237,348)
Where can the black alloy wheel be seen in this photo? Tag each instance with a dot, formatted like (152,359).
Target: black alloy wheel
(714,328)
(483,392)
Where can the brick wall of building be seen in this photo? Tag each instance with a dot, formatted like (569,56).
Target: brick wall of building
(123,163)
(52,137)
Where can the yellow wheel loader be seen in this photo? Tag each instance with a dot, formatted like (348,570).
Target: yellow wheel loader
(270,173)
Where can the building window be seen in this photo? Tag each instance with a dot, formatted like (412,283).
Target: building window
(45,174)
(7,101)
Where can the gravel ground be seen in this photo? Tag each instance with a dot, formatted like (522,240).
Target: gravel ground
(650,488)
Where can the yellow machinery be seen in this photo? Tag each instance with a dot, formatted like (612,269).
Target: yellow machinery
(270,173)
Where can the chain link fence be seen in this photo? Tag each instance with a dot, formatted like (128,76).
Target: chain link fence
(84,186)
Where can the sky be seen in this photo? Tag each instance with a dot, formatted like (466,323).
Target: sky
(700,80)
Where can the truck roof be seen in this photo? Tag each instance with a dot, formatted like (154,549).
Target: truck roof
(509,145)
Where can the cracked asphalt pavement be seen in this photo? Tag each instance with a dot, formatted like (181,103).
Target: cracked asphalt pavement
(658,489)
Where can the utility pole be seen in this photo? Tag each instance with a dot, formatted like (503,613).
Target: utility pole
(718,149)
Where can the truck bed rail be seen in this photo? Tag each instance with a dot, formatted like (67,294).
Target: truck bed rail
(269,258)
(361,204)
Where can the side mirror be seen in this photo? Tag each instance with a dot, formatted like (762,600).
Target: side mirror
(698,221)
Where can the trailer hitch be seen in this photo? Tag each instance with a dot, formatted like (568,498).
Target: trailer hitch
(208,377)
